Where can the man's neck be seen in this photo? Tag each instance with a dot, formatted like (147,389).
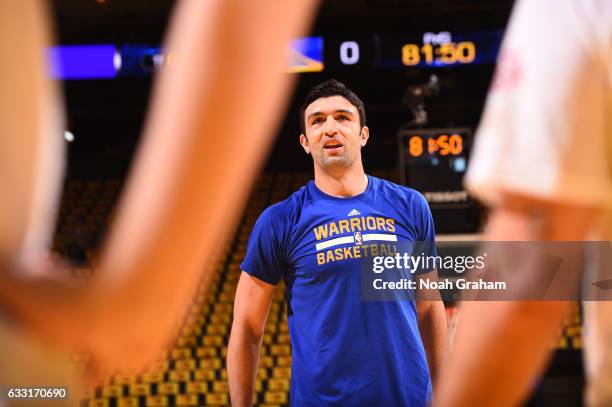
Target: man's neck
(341,184)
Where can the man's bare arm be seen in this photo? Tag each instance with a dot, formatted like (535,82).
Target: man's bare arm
(251,307)
(31,134)
(433,327)
(482,371)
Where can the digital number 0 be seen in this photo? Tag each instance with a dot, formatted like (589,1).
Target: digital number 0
(349,52)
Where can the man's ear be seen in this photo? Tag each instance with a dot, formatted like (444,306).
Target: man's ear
(365,135)
(304,143)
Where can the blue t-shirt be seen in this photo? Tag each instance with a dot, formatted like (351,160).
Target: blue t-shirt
(346,352)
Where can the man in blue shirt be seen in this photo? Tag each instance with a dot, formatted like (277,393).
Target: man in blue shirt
(346,351)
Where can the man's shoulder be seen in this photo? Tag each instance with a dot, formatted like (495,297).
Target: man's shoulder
(287,207)
(396,190)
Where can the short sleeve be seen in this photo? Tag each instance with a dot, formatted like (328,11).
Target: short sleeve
(426,230)
(545,130)
(265,255)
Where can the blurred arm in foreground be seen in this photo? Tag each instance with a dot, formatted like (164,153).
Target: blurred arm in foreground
(215,108)
(541,161)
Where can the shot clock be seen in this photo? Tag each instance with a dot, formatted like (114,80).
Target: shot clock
(431,146)
(434,161)
(441,145)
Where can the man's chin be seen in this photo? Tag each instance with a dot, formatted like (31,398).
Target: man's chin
(335,162)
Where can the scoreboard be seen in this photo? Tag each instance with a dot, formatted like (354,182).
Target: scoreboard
(434,161)
(425,50)
(429,49)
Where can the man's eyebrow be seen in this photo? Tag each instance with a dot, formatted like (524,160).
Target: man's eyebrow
(336,111)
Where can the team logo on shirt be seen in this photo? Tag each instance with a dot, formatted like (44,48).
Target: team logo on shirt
(358,238)
(369,235)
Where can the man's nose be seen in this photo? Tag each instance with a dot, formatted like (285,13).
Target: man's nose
(330,126)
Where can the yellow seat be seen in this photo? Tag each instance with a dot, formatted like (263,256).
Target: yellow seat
(139,389)
(112,391)
(206,352)
(212,340)
(98,403)
(127,402)
(179,375)
(217,329)
(220,319)
(181,353)
(197,387)
(189,330)
(262,373)
(210,363)
(283,361)
(187,400)
(278,385)
(201,375)
(258,386)
(168,388)
(217,399)
(283,339)
(185,364)
(152,377)
(280,350)
(157,401)
(266,361)
(188,340)
(281,372)
(276,397)
(220,387)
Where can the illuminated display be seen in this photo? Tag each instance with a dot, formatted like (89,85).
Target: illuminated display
(443,148)
(83,61)
(443,54)
(434,159)
(442,49)
(440,145)
(308,54)
(434,162)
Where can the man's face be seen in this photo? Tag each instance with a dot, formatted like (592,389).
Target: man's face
(334,135)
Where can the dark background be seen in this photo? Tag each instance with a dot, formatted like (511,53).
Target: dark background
(106,115)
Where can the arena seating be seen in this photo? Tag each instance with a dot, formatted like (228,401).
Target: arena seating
(193,371)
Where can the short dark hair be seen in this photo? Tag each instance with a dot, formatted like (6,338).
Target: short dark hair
(329,88)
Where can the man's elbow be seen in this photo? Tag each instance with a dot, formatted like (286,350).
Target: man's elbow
(246,333)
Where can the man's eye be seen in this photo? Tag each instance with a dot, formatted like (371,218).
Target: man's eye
(317,120)
(342,117)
